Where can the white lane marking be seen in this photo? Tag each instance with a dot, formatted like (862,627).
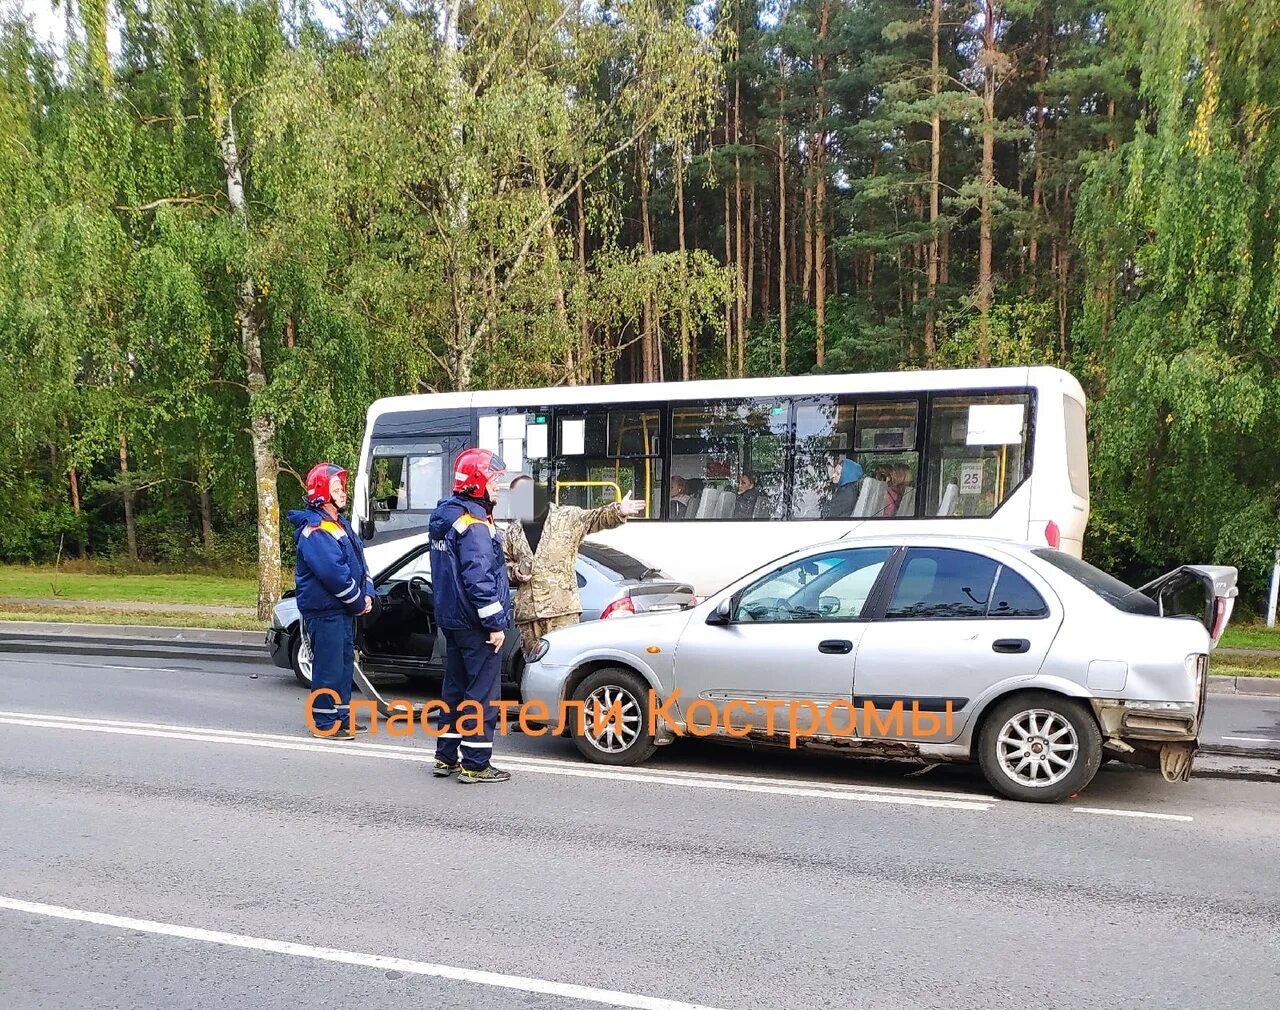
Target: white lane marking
(1255,739)
(525,762)
(1132,813)
(383,752)
(519,983)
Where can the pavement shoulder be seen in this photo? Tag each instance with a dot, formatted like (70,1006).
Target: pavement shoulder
(1263,686)
(58,630)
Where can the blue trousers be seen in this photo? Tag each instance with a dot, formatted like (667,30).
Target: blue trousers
(333,647)
(472,672)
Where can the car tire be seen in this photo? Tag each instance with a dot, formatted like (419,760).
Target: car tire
(1015,741)
(629,744)
(300,656)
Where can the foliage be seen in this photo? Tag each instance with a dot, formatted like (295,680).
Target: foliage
(547,193)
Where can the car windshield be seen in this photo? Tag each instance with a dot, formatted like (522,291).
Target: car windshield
(1119,594)
(617,565)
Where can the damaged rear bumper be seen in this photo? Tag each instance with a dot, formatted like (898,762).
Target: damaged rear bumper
(1153,734)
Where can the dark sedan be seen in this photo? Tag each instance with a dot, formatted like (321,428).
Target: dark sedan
(402,638)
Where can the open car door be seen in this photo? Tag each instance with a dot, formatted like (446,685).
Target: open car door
(1205,592)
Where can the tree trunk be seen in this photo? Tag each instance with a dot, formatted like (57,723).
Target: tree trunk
(464,340)
(728,301)
(782,225)
(553,256)
(648,358)
(808,227)
(1037,188)
(204,478)
(262,426)
(685,372)
(819,209)
(130,525)
(741,327)
(985,282)
(586,360)
(935,191)
(753,224)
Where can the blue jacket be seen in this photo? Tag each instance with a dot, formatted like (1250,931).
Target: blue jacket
(331,574)
(469,586)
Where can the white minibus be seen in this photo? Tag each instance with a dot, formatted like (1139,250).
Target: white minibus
(735,472)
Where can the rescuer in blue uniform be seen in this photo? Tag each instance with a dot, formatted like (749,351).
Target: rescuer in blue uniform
(472,601)
(334,587)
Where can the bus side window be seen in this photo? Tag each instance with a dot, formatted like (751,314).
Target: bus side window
(604,455)
(728,459)
(977,453)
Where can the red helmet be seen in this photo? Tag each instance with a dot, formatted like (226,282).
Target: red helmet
(319,479)
(474,469)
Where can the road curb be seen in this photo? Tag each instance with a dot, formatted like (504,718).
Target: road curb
(134,641)
(1266,687)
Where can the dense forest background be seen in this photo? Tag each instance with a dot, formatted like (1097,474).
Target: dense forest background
(226,227)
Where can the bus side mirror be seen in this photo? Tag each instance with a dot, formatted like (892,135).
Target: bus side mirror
(722,614)
(367,529)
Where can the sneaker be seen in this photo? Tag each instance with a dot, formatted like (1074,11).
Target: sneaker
(361,727)
(326,735)
(442,769)
(486,774)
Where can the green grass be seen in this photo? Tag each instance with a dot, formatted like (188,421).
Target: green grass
(1244,666)
(64,615)
(1250,636)
(42,582)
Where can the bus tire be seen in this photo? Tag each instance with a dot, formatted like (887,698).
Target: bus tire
(614,742)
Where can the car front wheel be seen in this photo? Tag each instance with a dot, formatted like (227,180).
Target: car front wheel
(1040,748)
(615,718)
(300,657)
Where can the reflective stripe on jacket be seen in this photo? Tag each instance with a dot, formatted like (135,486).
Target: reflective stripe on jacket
(331,574)
(469,585)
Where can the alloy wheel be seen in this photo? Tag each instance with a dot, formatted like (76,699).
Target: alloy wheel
(1037,748)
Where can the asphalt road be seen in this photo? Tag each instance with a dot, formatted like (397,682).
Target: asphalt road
(170,837)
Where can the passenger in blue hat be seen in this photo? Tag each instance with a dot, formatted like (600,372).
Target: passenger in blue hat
(848,483)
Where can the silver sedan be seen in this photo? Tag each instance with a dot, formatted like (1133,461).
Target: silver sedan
(1034,664)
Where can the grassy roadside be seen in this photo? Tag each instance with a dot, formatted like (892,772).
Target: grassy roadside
(44,583)
(1250,636)
(1244,666)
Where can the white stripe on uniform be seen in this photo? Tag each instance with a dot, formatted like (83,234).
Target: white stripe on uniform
(489,611)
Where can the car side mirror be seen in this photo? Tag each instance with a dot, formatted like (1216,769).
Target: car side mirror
(722,614)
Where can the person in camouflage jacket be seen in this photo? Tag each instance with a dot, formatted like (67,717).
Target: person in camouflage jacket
(542,554)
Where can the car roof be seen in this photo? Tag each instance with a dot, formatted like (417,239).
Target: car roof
(922,540)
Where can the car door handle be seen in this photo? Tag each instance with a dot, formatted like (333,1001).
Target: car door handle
(1010,645)
(835,646)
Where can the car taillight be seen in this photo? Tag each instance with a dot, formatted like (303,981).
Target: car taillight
(1051,534)
(693,601)
(621,607)
(1219,618)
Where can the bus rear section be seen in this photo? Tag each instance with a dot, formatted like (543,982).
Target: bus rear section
(1060,484)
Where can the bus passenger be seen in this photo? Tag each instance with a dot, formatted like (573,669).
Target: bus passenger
(847,481)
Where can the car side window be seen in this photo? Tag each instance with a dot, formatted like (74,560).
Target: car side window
(942,583)
(1016,597)
(827,587)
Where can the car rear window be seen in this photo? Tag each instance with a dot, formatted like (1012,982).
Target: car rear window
(1119,594)
(617,565)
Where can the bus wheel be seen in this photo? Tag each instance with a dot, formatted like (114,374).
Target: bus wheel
(615,718)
